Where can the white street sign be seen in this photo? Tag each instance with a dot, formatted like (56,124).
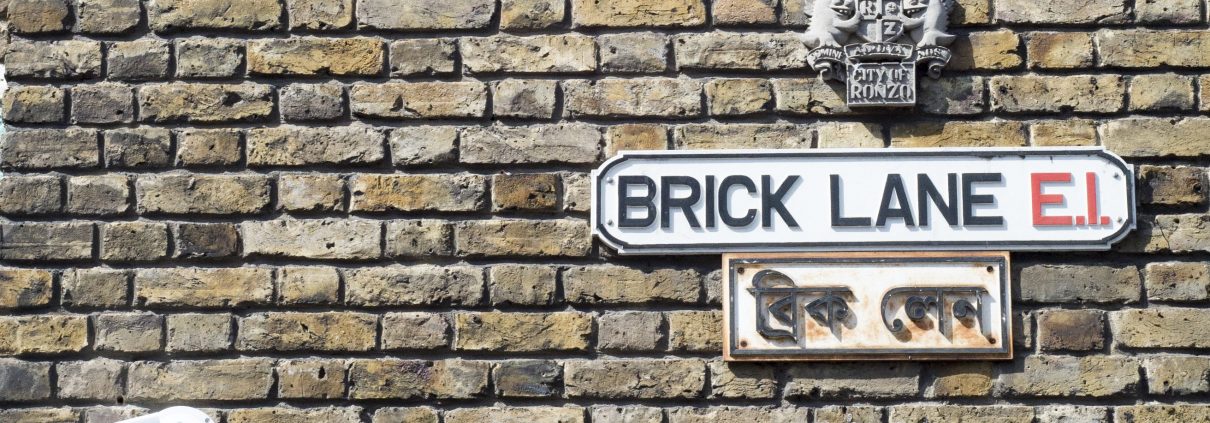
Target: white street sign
(678,202)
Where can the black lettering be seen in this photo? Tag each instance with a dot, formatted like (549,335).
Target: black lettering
(625,202)
(775,201)
(894,186)
(929,193)
(970,199)
(667,203)
(710,219)
(724,201)
(837,219)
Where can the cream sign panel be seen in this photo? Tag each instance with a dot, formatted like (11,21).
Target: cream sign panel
(795,200)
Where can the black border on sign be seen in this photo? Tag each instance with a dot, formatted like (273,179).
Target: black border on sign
(1005,300)
(758,247)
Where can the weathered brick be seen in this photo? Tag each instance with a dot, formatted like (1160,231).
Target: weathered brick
(299,146)
(138,60)
(635,378)
(531,14)
(561,143)
(138,148)
(231,380)
(697,331)
(25,288)
(1071,330)
(952,96)
(1190,413)
(849,135)
(339,239)
(102,104)
(988,50)
(133,241)
(128,332)
(809,96)
(537,192)
(307,285)
(67,59)
(514,237)
(1066,376)
(1048,283)
(739,51)
(397,192)
(50,149)
(952,380)
(630,331)
(638,52)
(735,414)
(24,381)
(46,241)
(34,104)
(522,332)
(295,415)
(320,15)
(852,380)
(416,379)
(1163,327)
(1067,132)
(744,12)
(209,57)
(422,56)
(527,378)
(30,195)
(624,285)
(626,414)
(540,414)
(415,331)
(1171,185)
(418,238)
(959,134)
(424,14)
(303,192)
(314,56)
(98,379)
(519,284)
(419,100)
(1062,12)
(1144,48)
(710,136)
(414,285)
(206,240)
(613,97)
(423,145)
(1177,375)
(1144,137)
(102,414)
(1158,92)
(43,334)
(40,415)
(742,380)
(311,102)
(246,15)
(1168,11)
(185,193)
(1060,50)
(848,413)
(1035,94)
(405,415)
(959,413)
(95,288)
(205,103)
(738,96)
(638,13)
(194,332)
(638,136)
(577,192)
(311,378)
(208,147)
(1071,413)
(524,98)
(39,16)
(564,53)
(1180,233)
(1177,281)
(203,287)
(289,331)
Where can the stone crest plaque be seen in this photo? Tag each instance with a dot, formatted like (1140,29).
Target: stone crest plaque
(875,46)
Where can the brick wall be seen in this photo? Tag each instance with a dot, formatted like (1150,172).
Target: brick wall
(310,210)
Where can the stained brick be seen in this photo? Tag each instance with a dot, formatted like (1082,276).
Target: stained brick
(314,56)
(568,53)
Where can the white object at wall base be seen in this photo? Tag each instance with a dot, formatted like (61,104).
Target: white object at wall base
(174,415)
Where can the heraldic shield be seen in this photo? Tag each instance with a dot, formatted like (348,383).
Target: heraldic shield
(875,46)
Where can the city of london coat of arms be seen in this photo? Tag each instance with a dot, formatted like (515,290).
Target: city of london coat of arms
(875,46)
